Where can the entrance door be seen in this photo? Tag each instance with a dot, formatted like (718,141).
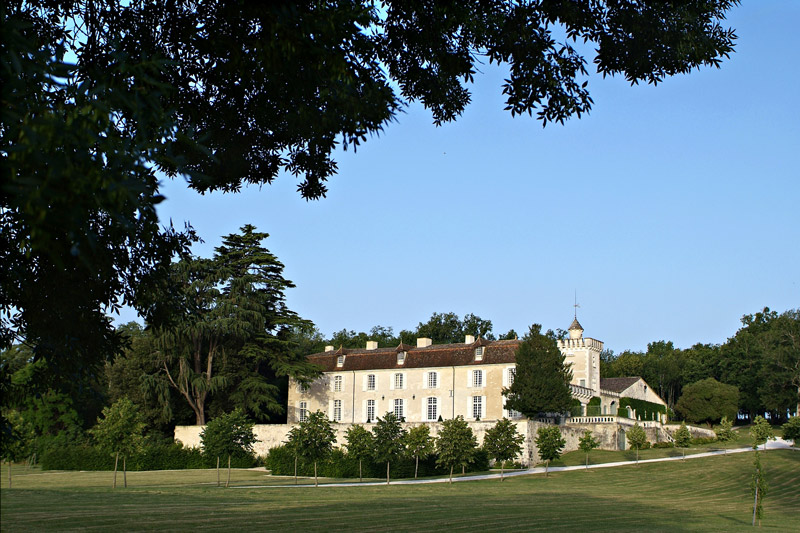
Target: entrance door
(621,440)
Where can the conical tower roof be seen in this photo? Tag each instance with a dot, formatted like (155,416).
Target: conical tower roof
(575,325)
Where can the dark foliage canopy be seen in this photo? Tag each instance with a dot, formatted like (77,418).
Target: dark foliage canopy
(541,382)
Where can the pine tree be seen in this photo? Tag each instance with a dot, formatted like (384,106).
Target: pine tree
(541,381)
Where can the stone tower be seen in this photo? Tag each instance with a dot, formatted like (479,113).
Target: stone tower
(583,356)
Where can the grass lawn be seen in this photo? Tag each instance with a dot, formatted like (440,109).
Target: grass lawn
(701,494)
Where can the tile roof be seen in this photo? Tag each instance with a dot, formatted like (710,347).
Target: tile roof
(617,384)
(438,355)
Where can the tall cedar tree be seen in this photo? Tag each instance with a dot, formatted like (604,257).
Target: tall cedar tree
(389,439)
(456,444)
(541,382)
(503,442)
(229,330)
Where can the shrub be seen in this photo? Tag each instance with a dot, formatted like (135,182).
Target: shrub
(703,440)
(662,445)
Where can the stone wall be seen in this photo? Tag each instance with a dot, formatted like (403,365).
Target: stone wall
(605,429)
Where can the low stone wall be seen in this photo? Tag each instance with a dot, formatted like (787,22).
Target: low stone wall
(605,429)
(694,430)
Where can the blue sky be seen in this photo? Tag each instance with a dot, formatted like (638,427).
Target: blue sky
(671,210)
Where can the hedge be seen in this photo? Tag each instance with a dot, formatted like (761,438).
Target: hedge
(171,456)
(280,461)
(644,410)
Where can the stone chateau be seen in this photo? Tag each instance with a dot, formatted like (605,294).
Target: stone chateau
(425,383)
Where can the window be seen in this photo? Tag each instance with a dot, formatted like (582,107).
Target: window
(433,409)
(370,410)
(477,378)
(433,380)
(340,361)
(477,407)
(371,382)
(479,353)
(303,411)
(512,373)
(337,383)
(337,410)
(302,388)
(401,358)
(398,409)
(398,381)
(583,383)
(513,414)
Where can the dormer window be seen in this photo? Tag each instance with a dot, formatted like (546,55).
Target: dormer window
(340,361)
(479,353)
(401,358)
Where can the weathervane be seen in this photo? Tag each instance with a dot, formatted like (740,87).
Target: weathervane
(576,306)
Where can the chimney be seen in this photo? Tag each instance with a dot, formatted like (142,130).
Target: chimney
(469,339)
(372,345)
(424,342)
(329,348)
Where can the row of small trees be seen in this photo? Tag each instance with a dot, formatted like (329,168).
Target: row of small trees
(313,440)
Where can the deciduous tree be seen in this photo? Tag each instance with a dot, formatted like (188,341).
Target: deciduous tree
(229,434)
(637,438)
(419,444)
(791,430)
(725,432)
(315,439)
(682,438)
(549,442)
(761,432)
(455,444)
(503,442)
(389,440)
(359,445)
(120,431)
(587,443)
(708,401)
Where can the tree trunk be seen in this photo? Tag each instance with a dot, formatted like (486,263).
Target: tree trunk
(416,466)
(637,456)
(228,482)
(463,469)
(125,471)
(587,460)
(755,505)
(316,484)
(546,468)
(502,464)
(218,471)
(387,472)
(116,460)
(451,474)
(9,474)
(360,478)
(295,470)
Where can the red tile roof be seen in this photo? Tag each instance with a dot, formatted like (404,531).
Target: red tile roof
(438,355)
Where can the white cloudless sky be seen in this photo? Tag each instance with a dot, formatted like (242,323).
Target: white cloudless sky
(671,210)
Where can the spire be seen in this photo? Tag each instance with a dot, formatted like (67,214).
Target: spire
(575,329)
